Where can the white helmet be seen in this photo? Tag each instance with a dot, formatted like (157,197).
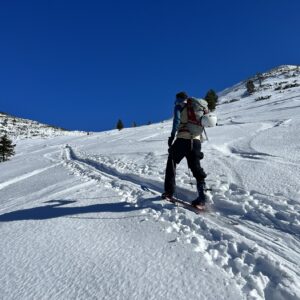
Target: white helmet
(209,120)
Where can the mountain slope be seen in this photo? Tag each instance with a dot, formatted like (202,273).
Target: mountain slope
(85,212)
(23,128)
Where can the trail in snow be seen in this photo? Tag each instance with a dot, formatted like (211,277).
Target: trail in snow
(76,237)
(25,176)
(242,251)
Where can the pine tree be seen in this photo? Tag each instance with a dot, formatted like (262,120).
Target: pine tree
(120,125)
(250,86)
(6,148)
(212,99)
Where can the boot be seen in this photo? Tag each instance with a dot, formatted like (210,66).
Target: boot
(200,201)
(166,195)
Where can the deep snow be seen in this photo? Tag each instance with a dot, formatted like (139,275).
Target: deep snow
(81,216)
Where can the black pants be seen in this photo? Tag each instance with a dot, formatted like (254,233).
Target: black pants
(191,150)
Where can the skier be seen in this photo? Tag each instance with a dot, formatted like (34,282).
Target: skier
(187,144)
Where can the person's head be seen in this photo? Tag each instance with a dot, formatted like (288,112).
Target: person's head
(181,95)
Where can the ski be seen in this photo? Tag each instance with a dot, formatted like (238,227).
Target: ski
(187,205)
(201,210)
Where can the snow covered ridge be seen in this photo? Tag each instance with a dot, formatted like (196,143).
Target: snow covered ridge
(268,85)
(19,128)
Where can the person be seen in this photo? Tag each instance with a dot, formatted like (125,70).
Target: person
(185,145)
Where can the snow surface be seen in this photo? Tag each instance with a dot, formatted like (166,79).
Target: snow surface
(81,217)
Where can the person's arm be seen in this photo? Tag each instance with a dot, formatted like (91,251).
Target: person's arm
(176,119)
(176,123)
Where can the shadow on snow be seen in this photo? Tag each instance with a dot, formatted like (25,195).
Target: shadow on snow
(56,209)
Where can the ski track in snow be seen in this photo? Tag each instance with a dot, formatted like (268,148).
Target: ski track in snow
(242,251)
(58,253)
(26,176)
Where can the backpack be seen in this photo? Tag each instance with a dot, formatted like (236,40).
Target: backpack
(196,109)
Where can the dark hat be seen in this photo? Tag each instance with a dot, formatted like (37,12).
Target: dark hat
(181,95)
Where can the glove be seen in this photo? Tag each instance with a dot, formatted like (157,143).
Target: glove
(170,140)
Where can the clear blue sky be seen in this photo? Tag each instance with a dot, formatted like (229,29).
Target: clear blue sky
(84,64)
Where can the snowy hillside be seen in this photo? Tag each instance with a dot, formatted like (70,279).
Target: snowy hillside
(24,128)
(81,216)
(283,79)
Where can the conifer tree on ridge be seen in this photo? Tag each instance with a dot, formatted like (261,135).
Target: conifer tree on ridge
(6,148)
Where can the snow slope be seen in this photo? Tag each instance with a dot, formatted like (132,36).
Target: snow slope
(81,216)
(19,128)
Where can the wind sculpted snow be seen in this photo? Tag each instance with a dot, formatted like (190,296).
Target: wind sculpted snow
(81,216)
